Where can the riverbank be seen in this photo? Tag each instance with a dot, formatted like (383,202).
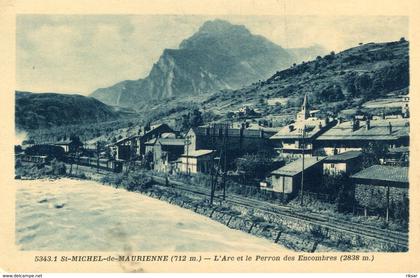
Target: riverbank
(295,234)
(83,215)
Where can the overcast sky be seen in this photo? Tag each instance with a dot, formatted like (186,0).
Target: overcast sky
(78,54)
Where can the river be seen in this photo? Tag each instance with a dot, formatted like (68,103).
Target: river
(83,215)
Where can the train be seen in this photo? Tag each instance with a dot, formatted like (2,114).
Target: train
(101,163)
(105,164)
(34,158)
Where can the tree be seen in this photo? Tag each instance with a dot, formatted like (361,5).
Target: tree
(209,116)
(58,168)
(230,115)
(372,153)
(196,118)
(191,119)
(254,165)
(75,143)
(48,150)
(345,196)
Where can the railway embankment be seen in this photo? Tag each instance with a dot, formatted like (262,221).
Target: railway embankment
(295,230)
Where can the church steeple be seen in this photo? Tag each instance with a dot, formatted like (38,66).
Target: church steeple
(305,107)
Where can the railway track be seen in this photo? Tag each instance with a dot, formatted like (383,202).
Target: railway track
(383,235)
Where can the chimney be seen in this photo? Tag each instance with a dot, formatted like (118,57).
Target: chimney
(367,124)
(355,124)
(241,130)
(390,127)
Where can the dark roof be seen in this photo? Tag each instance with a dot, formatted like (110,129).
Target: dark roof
(198,153)
(295,167)
(344,156)
(166,141)
(125,139)
(155,128)
(144,134)
(383,173)
(379,130)
(313,128)
(234,132)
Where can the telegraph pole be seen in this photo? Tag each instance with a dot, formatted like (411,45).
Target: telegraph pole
(187,143)
(303,165)
(97,156)
(225,161)
(213,172)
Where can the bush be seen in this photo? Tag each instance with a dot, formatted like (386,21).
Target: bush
(49,150)
(318,232)
(254,166)
(114,179)
(57,168)
(137,181)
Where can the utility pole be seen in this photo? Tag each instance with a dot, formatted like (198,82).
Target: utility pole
(77,162)
(187,143)
(225,139)
(213,174)
(221,168)
(303,165)
(97,156)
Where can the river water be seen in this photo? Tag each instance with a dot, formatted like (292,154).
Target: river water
(73,215)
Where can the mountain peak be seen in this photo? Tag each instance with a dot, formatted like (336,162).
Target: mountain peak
(221,35)
(220,55)
(219,26)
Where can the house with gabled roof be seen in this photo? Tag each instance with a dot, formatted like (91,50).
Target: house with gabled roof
(197,161)
(237,140)
(355,135)
(164,152)
(287,179)
(343,163)
(133,147)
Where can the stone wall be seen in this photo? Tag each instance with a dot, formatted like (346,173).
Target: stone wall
(374,196)
(295,234)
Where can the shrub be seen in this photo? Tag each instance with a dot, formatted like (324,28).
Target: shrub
(114,179)
(57,168)
(137,181)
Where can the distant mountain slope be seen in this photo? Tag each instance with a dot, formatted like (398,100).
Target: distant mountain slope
(333,82)
(219,56)
(44,110)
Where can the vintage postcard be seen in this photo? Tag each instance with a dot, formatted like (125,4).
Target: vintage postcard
(209,136)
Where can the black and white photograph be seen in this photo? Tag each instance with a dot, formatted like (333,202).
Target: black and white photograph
(234,133)
(184,136)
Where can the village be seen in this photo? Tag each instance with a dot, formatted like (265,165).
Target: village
(293,159)
(360,165)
